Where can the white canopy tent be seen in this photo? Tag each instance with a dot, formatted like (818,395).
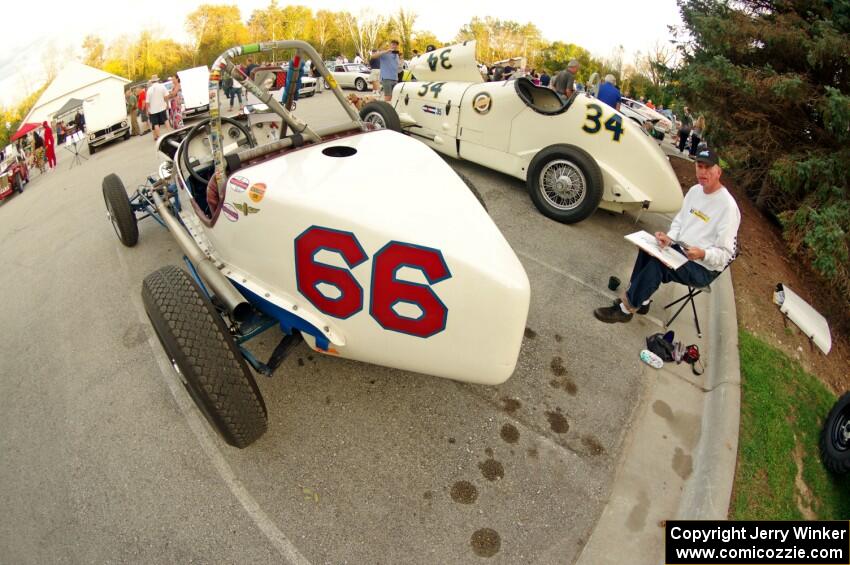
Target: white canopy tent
(76,80)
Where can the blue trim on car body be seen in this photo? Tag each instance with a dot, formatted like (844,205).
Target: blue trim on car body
(287,320)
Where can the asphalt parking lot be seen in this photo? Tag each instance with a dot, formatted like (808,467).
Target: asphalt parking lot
(106,459)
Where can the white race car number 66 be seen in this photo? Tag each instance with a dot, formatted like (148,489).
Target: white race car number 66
(387,290)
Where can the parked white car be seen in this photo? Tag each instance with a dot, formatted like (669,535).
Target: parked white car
(575,156)
(637,110)
(349,75)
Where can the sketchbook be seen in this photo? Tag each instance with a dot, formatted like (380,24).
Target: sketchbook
(667,255)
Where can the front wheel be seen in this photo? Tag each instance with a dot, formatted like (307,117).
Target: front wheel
(118,210)
(381,114)
(360,85)
(565,183)
(835,437)
(18,184)
(204,356)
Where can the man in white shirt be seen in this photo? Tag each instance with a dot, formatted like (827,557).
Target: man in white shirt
(155,104)
(705,230)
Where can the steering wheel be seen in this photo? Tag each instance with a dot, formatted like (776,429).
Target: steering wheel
(202,127)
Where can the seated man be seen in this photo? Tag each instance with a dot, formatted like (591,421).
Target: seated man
(705,229)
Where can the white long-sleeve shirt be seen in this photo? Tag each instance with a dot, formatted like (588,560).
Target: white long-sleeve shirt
(710,222)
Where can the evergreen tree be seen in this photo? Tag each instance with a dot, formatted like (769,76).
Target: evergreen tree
(772,78)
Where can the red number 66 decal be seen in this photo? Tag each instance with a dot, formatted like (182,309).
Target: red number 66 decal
(387,289)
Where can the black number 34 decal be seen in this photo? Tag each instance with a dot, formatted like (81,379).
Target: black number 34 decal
(434,87)
(614,124)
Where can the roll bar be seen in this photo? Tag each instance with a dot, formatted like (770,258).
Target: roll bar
(224,66)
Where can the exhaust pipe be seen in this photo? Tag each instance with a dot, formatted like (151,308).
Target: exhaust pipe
(236,305)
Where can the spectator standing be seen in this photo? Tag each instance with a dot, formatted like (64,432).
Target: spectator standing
(156,104)
(227,89)
(650,105)
(175,99)
(132,110)
(545,79)
(564,82)
(38,151)
(697,134)
(80,121)
(390,64)
(358,60)
(375,74)
(609,93)
(144,126)
(685,128)
(49,145)
(250,65)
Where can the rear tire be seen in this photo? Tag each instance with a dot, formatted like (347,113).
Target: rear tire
(19,184)
(835,437)
(381,114)
(204,355)
(565,183)
(119,212)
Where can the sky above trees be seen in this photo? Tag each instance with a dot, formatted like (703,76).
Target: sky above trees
(61,27)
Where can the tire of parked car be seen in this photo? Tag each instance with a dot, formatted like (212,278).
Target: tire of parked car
(92,149)
(204,355)
(835,437)
(360,85)
(18,185)
(382,114)
(565,183)
(118,209)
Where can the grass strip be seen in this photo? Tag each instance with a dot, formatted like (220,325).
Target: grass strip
(779,475)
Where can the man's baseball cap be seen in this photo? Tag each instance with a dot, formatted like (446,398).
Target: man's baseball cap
(708,157)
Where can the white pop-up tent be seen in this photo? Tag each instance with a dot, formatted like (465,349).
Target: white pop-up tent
(76,80)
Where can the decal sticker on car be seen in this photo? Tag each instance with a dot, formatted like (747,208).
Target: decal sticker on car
(432,110)
(482,103)
(230,212)
(256,192)
(245,209)
(239,184)
(594,123)
(387,290)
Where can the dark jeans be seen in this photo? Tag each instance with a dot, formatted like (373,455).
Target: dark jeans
(695,139)
(649,273)
(235,92)
(683,138)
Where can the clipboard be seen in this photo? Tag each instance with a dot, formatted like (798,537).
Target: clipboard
(667,255)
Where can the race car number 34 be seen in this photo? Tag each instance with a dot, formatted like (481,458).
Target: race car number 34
(387,290)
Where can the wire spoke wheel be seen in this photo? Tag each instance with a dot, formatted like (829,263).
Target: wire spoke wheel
(562,184)
(376,119)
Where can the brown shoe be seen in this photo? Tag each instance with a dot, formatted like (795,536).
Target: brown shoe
(612,315)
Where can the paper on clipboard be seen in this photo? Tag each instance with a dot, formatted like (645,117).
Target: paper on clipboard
(667,255)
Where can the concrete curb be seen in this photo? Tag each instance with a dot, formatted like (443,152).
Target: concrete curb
(708,491)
